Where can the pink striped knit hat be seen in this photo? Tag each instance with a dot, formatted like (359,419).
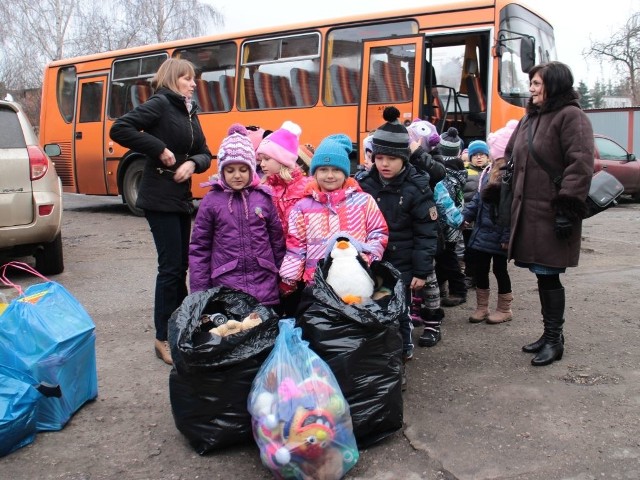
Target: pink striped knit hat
(282,145)
(236,147)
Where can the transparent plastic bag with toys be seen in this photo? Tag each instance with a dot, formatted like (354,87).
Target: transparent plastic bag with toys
(300,419)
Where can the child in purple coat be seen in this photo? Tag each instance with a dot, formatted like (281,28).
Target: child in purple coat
(237,238)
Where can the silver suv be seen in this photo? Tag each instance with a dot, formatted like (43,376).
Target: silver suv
(30,194)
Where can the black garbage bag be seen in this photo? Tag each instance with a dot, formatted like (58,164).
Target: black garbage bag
(363,346)
(212,375)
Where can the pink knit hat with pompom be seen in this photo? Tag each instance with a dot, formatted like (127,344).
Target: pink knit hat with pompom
(282,145)
(498,140)
(236,147)
(256,135)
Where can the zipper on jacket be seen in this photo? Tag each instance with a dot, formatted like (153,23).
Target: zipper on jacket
(191,127)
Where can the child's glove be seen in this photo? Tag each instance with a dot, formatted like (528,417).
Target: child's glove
(286,288)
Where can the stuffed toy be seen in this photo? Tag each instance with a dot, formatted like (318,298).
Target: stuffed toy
(253,320)
(425,133)
(348,273)
(231,327)
(299,429)
(381,290)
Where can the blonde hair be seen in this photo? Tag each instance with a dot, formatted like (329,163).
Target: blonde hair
(285,173)
(170,71)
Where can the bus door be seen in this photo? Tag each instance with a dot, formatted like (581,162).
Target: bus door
(89,136)
(390,76)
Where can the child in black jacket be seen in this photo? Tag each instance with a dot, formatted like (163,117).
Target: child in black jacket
(406,201)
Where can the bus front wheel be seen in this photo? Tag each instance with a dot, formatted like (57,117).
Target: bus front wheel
(130,186)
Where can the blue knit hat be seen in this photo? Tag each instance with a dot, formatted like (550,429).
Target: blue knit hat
(478,146)
(333,151)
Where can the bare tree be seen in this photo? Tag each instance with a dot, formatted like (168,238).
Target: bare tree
(158,21)
(62,28)
(46,22)
(98,32)
(623,51)
(25,54)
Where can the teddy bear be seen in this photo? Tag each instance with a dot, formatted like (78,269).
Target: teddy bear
(232,327)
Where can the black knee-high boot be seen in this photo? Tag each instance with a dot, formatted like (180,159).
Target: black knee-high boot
(553,348)
(537,345)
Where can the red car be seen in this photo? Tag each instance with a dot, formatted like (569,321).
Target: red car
(613,158)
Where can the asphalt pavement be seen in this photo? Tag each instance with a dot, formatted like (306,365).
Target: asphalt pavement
(475,408)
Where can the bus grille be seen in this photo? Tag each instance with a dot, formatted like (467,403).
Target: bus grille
(64,166)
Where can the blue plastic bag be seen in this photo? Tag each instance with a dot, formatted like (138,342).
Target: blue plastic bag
(18,399)
(300,419)
(19,395)
(46,333)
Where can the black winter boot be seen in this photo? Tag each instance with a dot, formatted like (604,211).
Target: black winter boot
(537,345)
(552,349)
(432,320)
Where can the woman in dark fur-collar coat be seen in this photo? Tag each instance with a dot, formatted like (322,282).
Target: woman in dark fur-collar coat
(546,220)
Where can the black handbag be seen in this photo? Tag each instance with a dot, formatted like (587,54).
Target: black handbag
(604,191)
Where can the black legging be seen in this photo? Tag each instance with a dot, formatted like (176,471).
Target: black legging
(549,282)
(482,262)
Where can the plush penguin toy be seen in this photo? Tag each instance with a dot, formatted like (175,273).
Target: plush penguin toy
(348,273)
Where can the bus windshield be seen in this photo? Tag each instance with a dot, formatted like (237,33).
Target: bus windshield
(520,30)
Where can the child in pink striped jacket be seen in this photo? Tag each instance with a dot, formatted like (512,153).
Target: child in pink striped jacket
(333,203)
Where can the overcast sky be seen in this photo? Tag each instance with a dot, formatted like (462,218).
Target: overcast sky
(576,22)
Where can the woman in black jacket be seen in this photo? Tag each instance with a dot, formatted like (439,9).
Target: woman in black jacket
(166,130)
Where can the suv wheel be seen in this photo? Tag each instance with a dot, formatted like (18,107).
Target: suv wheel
(49,259)
(130,186)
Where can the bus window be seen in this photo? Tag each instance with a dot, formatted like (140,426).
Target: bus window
(280,72)
(447,61)
(215,70)
(459,63)
(130,82)
(344,58)
(516,23)
(91,102)
(66,92)
(389,76)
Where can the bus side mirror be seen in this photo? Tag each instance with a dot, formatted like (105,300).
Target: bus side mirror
(527,53)
(52,149)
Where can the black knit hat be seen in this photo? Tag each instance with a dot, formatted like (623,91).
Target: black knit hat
(450,143)
(391,138)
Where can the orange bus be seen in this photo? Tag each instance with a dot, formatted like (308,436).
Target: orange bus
(463,64)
